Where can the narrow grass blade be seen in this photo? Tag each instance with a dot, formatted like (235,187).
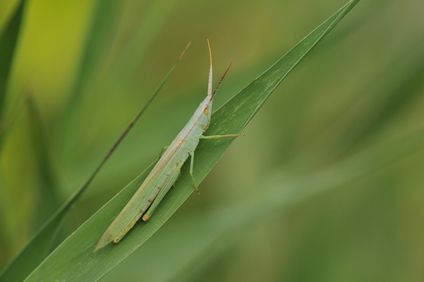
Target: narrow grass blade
(74,259)
(8,43)
(41,244)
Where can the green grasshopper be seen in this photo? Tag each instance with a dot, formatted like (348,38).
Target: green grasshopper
(166,171)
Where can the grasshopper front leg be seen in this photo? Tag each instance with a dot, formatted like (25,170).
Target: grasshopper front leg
(209,137)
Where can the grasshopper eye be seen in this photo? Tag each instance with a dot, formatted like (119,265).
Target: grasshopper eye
(206,110)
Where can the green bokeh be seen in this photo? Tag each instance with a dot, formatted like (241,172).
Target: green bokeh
(88,66)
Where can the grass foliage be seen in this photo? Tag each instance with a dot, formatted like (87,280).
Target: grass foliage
(318,164)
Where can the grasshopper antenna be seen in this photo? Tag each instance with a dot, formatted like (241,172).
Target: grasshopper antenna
(214,91)
(221,79)
(184,51)
(210,68)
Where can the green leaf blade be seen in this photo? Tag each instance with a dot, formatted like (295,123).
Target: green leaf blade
(74,259)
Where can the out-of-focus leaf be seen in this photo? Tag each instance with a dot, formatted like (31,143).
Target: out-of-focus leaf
(8,42)
(104,19)
(74,259)
(39,246)
(44,240)
(405,90)
(126,61)
(4,248)
(130,58)
(32,254)
(48,200)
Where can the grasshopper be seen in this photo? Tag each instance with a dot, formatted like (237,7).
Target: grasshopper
(165,172)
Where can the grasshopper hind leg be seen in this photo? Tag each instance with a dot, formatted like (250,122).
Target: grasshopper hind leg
(172,177)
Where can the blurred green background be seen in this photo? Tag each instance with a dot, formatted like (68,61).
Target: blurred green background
(342,136)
